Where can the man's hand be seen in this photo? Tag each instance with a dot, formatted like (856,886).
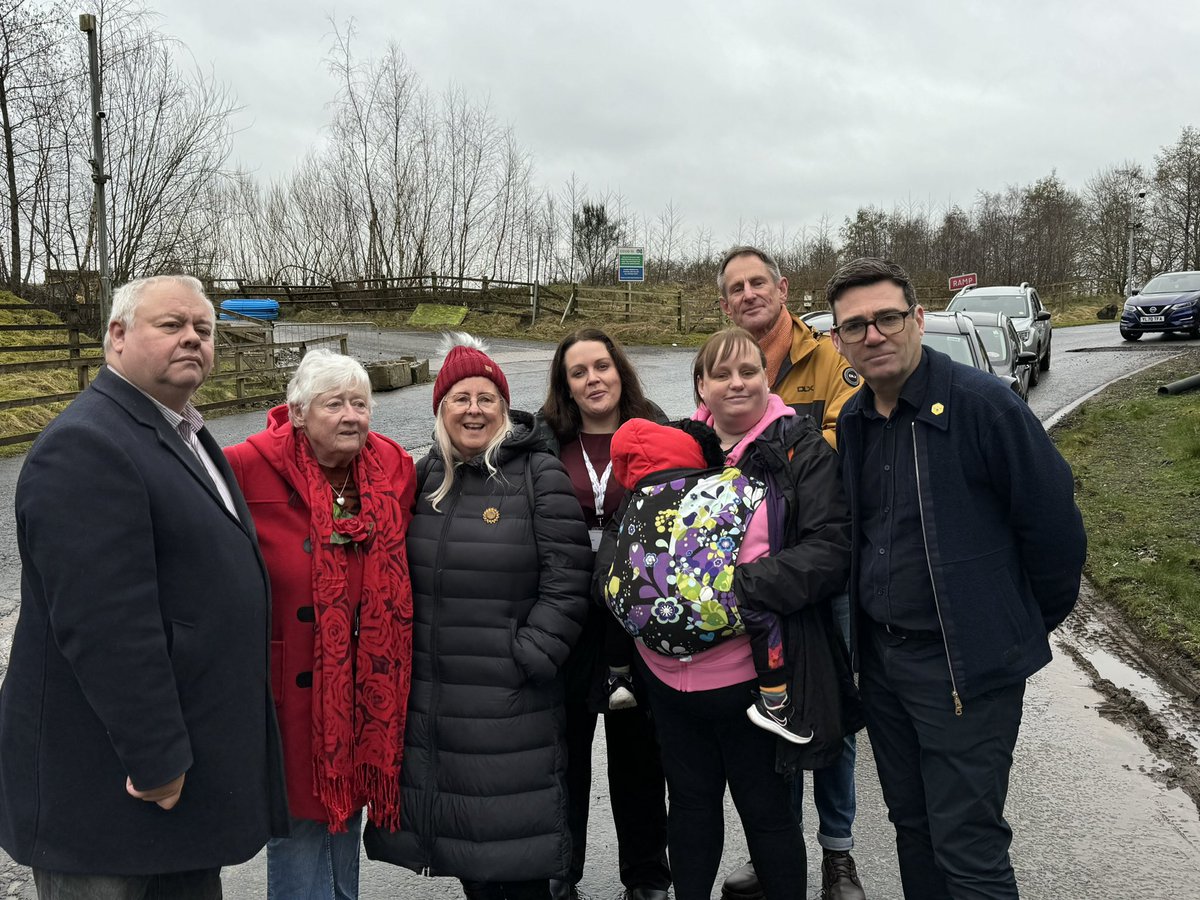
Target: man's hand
(165,796)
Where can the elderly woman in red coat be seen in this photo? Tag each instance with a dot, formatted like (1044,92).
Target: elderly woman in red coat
(331,501)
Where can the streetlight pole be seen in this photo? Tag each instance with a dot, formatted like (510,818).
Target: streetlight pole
(1135,215)
(87,24)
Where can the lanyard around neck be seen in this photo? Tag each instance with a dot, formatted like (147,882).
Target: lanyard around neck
(599,485)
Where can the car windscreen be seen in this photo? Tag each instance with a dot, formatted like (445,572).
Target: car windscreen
(955,346)
(1173,283)
(1012,305)
(993,340)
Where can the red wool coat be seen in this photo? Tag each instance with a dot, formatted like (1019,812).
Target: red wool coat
(265,468)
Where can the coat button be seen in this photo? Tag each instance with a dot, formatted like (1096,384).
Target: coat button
(304,680)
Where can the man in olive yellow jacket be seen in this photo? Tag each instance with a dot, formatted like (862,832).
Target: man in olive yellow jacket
(803,366)
(812,377)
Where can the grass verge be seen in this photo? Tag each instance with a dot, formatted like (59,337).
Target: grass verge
(1136,457)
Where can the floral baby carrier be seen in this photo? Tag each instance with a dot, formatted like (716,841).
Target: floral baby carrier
(671,580)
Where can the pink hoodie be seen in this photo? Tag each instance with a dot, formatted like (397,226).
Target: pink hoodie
(729,662)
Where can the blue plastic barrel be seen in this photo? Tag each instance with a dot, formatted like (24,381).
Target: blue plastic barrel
(254,307)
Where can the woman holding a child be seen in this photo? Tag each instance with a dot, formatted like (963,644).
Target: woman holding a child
(765,681)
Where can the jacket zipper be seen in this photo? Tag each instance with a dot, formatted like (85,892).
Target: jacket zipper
(958,706)
(431,779)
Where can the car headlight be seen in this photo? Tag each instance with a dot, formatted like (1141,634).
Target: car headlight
(1024,335)
(1130,306)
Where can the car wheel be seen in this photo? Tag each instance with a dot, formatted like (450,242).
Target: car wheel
(1044,362)
(1130,335)
(1035,375)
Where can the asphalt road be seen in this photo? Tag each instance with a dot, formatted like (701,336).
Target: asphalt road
(1091,814)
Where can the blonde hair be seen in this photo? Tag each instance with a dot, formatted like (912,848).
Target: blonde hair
(452,459)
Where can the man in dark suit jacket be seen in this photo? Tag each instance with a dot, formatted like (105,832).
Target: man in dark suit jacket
(139,751)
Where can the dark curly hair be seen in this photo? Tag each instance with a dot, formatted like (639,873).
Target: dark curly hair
(560,409)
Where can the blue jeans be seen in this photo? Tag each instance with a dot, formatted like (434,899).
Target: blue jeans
(833,786)
(313,864)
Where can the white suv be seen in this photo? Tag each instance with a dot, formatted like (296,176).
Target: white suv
(1023,306)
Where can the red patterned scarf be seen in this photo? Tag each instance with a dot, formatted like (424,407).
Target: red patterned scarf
(362,668)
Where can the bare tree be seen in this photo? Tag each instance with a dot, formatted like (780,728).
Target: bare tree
(1109,198)
(1051,224)
(670,226)
(31,88)
(1177,201)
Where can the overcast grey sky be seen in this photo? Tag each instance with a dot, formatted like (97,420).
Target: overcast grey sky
(772,111)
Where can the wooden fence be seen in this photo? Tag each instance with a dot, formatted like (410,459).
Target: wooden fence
(669,310)
(367,295)
(248,357)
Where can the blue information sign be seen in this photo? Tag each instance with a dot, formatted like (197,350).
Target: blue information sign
(631,264)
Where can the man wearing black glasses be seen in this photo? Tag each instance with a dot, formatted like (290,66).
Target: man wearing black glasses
(957,495)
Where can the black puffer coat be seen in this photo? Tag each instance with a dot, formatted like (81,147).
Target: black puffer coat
(499,597)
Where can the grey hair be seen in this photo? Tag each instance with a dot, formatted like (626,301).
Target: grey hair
(452,459)
(746,250)
(128,297)
(323,370)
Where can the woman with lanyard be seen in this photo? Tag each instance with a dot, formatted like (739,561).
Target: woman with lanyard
(593,389)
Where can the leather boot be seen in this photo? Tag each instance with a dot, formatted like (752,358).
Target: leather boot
(563,890)
(742,884)
(839,877)
(645,893)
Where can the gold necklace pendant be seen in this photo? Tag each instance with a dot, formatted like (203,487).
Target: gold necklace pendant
(491,515)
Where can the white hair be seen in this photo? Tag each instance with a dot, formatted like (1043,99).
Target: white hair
(452,459)
(128,297)
(321,371)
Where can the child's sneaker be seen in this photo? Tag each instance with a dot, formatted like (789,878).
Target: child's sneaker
(779,720)
(620,691)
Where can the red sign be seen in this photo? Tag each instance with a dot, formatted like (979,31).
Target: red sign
(958,282)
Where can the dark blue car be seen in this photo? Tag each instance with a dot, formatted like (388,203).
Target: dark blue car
(1168,302)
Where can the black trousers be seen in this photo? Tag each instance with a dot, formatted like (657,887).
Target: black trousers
(506,890)
(944,777)
(707,741)
(201,884)
(636,784)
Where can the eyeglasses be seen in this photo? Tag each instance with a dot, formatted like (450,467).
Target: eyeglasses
(462,402)
(891,322)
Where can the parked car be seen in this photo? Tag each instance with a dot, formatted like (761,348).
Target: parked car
(1168,302)
(818,320)
(955,335)
(1021,304)
(1004,348)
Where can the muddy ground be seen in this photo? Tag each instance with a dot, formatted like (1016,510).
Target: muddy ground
(1121,639)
